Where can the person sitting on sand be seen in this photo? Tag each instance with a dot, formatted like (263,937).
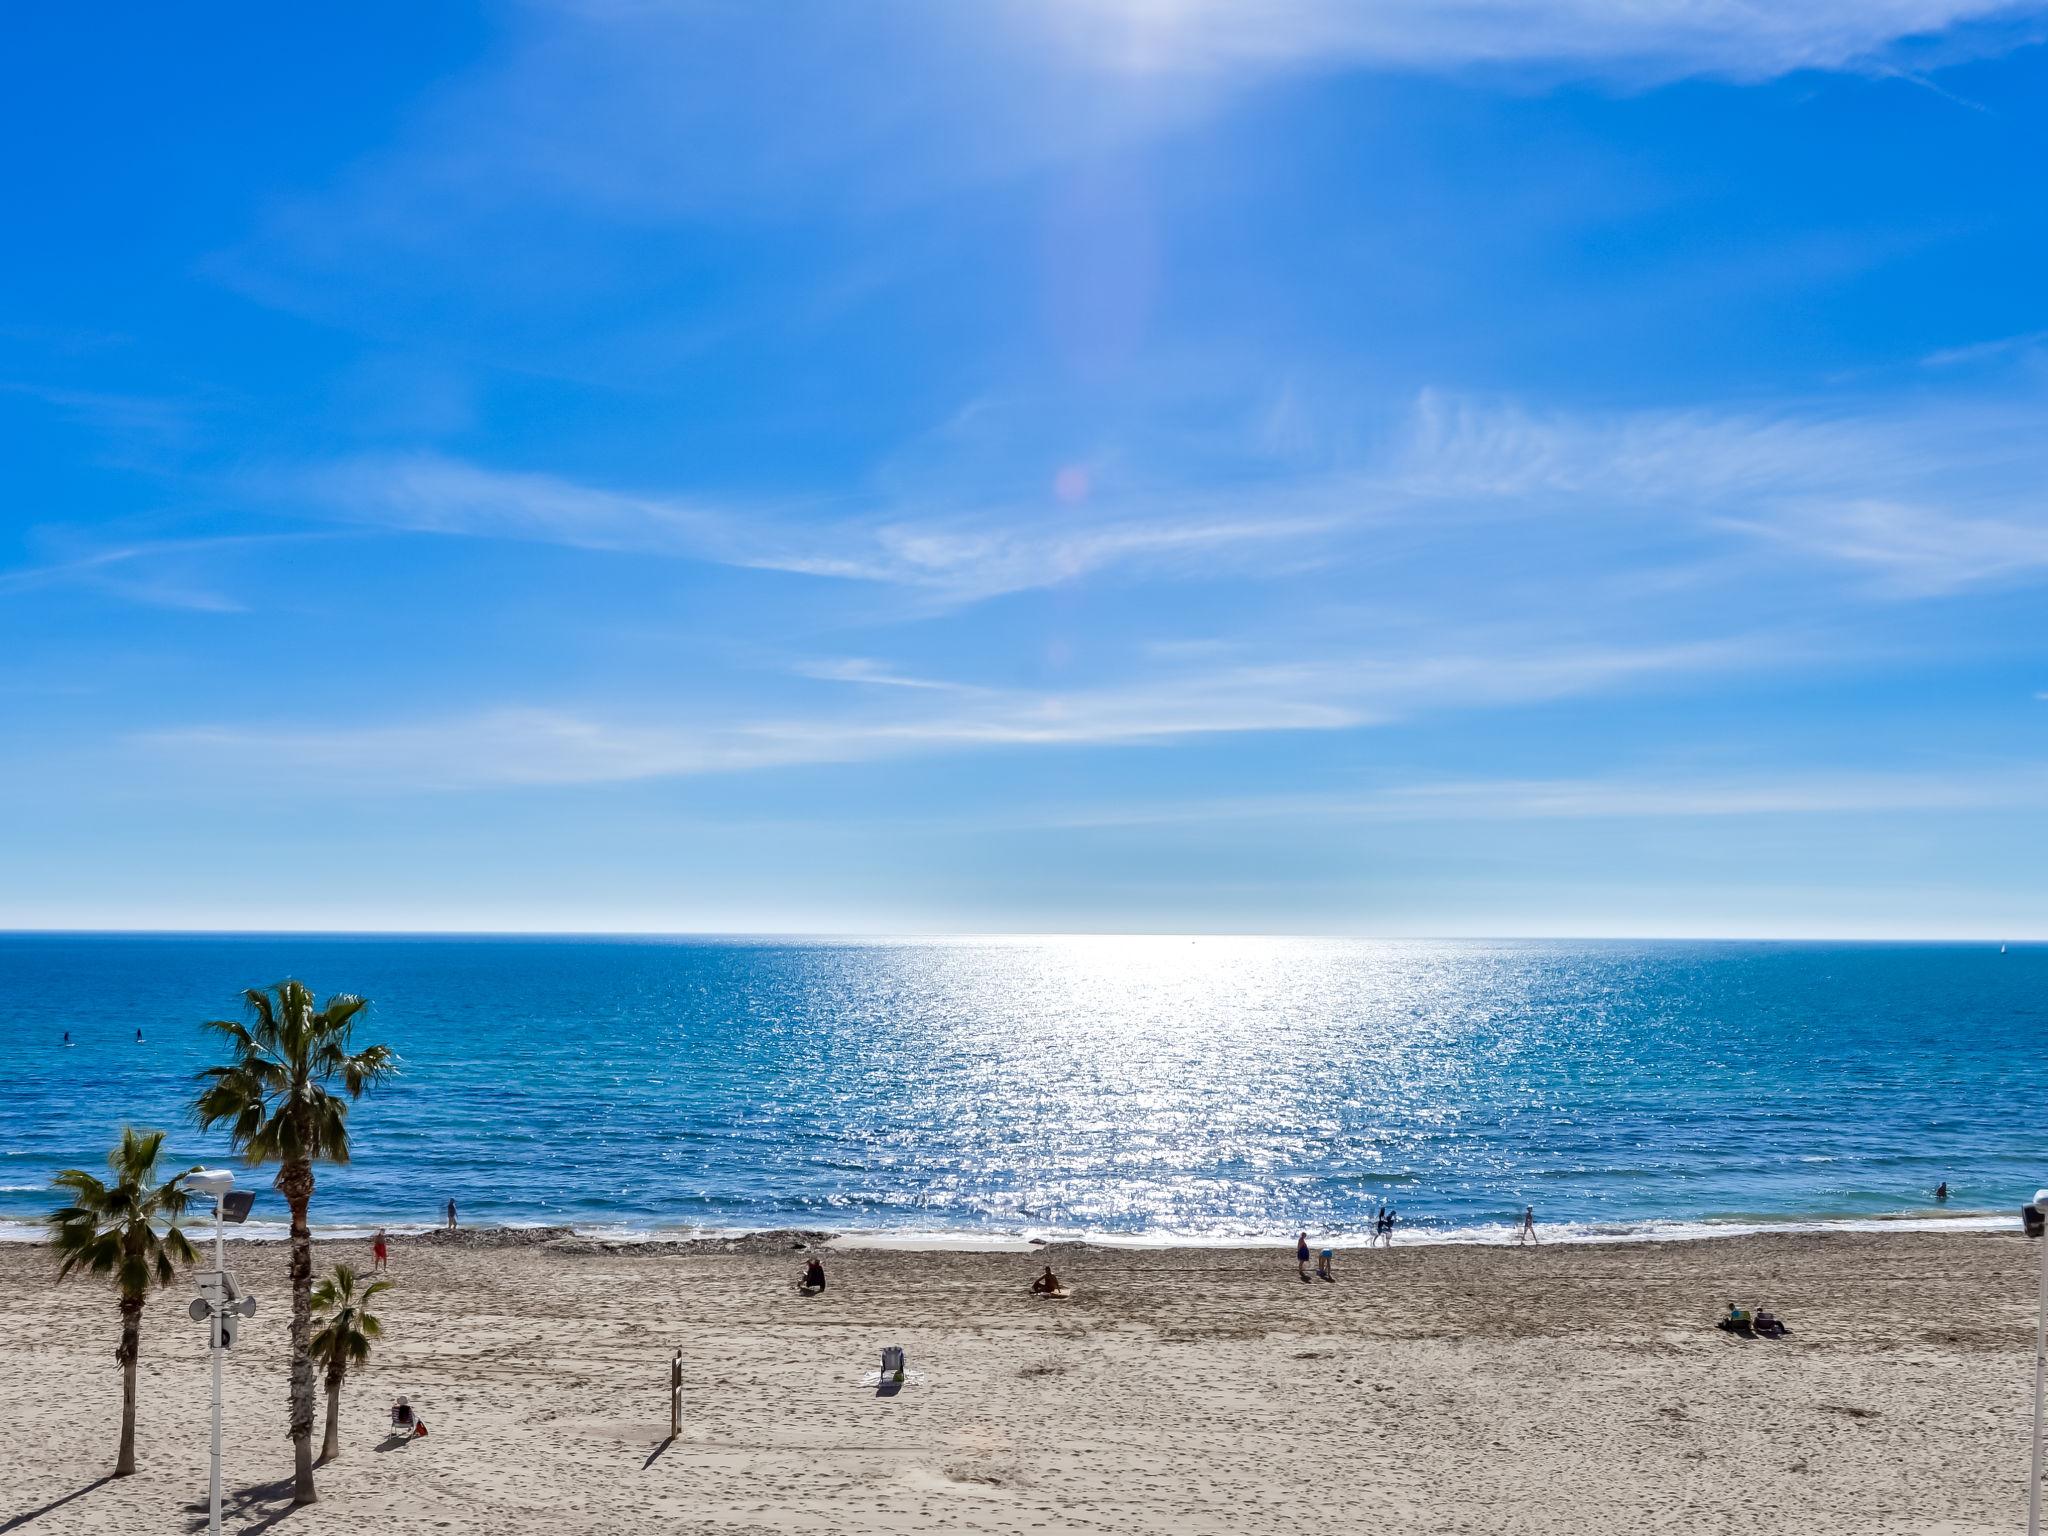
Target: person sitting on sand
(1768,1326)
(1737,1320)
(1047,1284)
(1323,1261)
(814,1276)
(405,1422)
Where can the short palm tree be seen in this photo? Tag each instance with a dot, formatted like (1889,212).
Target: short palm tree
(113,1229)
(343,1338)
(277,1097)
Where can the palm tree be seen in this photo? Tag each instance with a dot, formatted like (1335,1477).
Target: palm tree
(344,1337)
(277,1098)
(111,1229)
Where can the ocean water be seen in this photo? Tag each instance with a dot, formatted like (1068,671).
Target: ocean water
(1142,1089)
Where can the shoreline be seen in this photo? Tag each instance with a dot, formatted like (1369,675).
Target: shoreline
(981,1240)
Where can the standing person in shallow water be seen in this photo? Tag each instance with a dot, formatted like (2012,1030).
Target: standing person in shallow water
(451,1215)
(1941,1192)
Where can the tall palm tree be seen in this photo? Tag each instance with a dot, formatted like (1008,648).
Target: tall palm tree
(343,1339)
(112,1229)
(278,1099)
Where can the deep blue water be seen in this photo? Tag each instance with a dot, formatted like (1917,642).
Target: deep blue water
(1203,1088)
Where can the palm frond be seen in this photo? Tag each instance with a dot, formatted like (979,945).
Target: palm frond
(113,1228)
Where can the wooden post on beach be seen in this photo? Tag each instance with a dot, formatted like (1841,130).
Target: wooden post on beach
(675,1394)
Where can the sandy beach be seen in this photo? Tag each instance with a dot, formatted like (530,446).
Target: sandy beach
(1565,1389)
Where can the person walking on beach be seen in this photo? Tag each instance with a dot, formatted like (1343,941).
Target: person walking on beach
(451,1215)
(1528,1232)
(380,1252)
(1301,1254)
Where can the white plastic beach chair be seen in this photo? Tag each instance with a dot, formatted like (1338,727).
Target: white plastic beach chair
(892,1362)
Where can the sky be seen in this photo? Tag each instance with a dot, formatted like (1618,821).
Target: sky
(1334,466)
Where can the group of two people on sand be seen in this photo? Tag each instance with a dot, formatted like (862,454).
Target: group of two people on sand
(813,1281)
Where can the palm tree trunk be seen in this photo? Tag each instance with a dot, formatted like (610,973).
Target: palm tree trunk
(295,1180)
(128,1354)
(330,1448)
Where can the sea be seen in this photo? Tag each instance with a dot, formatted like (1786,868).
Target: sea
(1127,1090)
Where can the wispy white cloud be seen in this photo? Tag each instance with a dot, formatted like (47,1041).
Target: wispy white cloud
(597,115)
(1985,351)
(1841,792)
(120,415)
(161,572)
(862,669)
(1917,499)
(1916,549)
(548,746)
(1467,446)
(957,557)
(1926,500)
(1651,39)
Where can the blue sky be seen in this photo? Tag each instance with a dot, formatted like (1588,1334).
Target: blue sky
(1551,467)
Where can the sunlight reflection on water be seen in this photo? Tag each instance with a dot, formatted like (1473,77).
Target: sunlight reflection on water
(1207,1087)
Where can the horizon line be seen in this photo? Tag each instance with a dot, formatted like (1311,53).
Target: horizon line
(934,935)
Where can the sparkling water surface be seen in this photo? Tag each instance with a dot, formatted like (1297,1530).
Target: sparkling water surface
(1147,1087)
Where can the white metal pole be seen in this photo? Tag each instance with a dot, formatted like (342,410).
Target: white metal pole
(220,1290)
(2040,1378)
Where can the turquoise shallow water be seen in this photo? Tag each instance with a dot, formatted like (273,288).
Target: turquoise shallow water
(1202,1089)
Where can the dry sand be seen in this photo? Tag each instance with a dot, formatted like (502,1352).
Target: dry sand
(1576,1390)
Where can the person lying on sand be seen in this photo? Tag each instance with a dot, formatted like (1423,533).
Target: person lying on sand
(1047,1284)
(814,1277)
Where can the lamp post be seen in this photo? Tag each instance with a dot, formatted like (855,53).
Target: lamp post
(2035,1218)
(215,1182)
